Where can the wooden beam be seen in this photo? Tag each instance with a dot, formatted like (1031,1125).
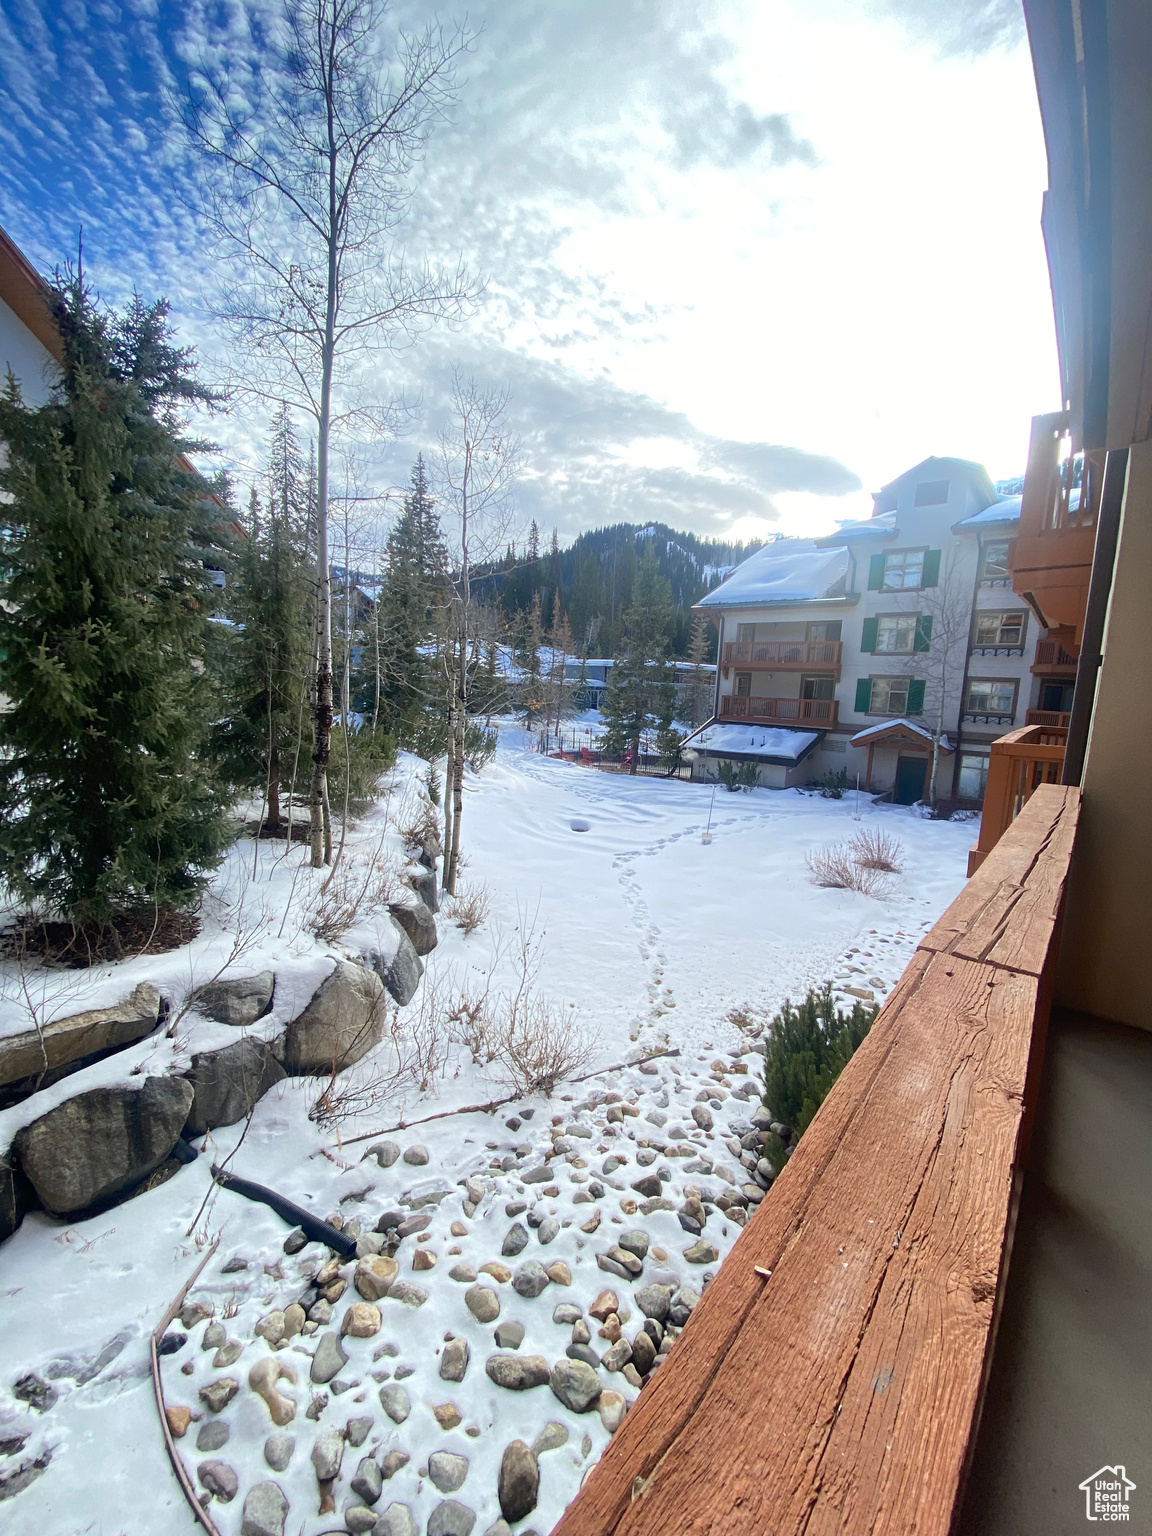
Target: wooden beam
(842,1394)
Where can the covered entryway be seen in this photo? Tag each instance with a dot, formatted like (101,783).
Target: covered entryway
(911,773)
(913,747)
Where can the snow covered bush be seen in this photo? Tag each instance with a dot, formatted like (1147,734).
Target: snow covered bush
(835,865)
(874,849)
(470,908)
(806,1050)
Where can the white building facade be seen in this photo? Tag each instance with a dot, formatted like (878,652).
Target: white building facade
(896,647)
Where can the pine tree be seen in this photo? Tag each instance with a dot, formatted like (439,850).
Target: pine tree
(698,694)
(529,638)
(106,806)
(641,693)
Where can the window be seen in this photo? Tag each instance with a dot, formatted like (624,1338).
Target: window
(903,568)
(973,776)
(999,631)
(991,698)
(895,632)
(743,684)
(745,631)
(817,688)
(889,696)
(828,629)
(931,493)
(994,559)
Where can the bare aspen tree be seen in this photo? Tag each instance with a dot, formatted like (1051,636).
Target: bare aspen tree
(308,170)
(945,611)
(477,466)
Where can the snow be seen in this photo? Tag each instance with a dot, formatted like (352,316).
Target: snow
(764,741)
(647,936)
(1006,511)
(787,571)
(890,725)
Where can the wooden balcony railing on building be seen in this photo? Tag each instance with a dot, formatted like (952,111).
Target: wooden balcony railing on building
(783,655)
(1056,655)
(1018,764)
(820,712)
(830,1379)
(1052,556)
(1050,718)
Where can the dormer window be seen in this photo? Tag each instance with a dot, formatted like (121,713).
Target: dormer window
(931,493)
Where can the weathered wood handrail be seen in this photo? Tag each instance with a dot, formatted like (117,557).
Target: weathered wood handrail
(1051,653)
(823,712)
(783,654)
(842,1393)
(1058,718)
(1018,764)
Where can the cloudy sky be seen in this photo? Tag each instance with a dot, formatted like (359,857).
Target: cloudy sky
(745,259)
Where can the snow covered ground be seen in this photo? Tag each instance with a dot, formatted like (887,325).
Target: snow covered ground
(651,938)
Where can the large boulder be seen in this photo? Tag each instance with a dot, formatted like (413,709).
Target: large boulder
(238,1002)
(13,1195)
(343,1021)
(227,1083)
(83,1036)
(401,972)
(99,1144)
(423,882)
(418,923)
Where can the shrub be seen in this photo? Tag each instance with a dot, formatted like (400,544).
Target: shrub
(873,849)
(835,865)
(738,776)
(833,785)
(806,1050)
(479,746)
(470,908)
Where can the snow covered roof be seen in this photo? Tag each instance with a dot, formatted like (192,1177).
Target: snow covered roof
(786,571)
(883,522)
(882,727)
(774,742)
(1006,511)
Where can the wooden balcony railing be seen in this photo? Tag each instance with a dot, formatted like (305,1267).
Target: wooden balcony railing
(821,712)
(831,1378)
(783,655)
(1058,718)
(1051,558)
(1018,764)
(1054,656)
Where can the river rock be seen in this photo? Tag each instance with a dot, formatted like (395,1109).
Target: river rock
(550,1438)
(397,1520)
(634,1241)
(395,1402)
(605,1304)
(219,1479)
(649,1186)
(643,1352)
(509,1335)
(393,1462)
(238,1002)
(328,1359)
(653,1300)
(327,1454)
(278,1451)
(548,1230)
(360,1321)
(517,1372)
(618,1355)
(447,1470)
(701,1253)
(100,1143)
(515,1241)
(218,1394)
(410,1295)
(530,1280)
(539,1175)
(567,1312)
(265,1510)
(375,1275)
(43,1054)
(451,1518)
(213,1435)
(226,1084)
(612,1406)
(575,1383)
(454,1360)
(518,1482)
(418,923)
(342,1022)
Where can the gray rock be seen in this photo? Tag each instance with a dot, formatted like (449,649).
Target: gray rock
(474,1188)
(550,1438)
(483,1303)
(634,1241)
(575,1383)
(356,1430)
(401,970)
(416,1156)
(219,1479)
(530,1279)
(278,1451)
(454,1360)
(226,1084)
(213,1435)
(518,1482)
(327,1454)
(517,1372)
(99,1144)
(646,1156)
(411,1295)
(393,1462)
(643,1352)
(395,1402)
(702,1117)
(367,1482)
(581,1333)
(465,1274)
(581,1351)
(451,1518)
(359,1519)
(397,1520)
(423,882)
(549,1229)
(618,1356)
(566,1312)
(509,1335)
(385,1153)
(213,1336)
(413,1224)
(295,1240)
(499,1528)
(368,1243)
(542,1175)
(654,1300)
(218,1394)
(328,1359)
(418,923)
(515,1241)
(701,1253)
(447,1470)
(265,1511)
(238,1002)
(612,1266)
(45,1054)
(342,1023)
(649,1186)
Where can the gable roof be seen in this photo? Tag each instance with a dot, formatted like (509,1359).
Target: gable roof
(786,571)
(934,468)
(26,294)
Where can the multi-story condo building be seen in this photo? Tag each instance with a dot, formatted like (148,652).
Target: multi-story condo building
(895,649)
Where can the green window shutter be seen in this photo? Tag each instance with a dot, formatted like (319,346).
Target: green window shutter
(876,573)
(864,695)
(916,696)
(923,641)
(931,573)
(868,635)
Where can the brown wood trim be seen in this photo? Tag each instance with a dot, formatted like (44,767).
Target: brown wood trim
(843,1393)
(27,294)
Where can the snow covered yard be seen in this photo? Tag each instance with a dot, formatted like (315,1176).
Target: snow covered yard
(649,938)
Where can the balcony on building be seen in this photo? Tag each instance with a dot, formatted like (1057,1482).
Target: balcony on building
(783,656)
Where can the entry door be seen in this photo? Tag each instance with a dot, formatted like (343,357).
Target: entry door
(911,773)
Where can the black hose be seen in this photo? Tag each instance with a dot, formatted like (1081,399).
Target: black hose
(319,1231)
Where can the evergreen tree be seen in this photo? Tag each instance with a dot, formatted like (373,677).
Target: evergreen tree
(641,693)
(529,639)
(697,696)
(106,805)
(586,605)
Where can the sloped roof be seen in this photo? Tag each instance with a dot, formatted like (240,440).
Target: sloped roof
(945,468)
(741,738)
(1006,511)
(786,571)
